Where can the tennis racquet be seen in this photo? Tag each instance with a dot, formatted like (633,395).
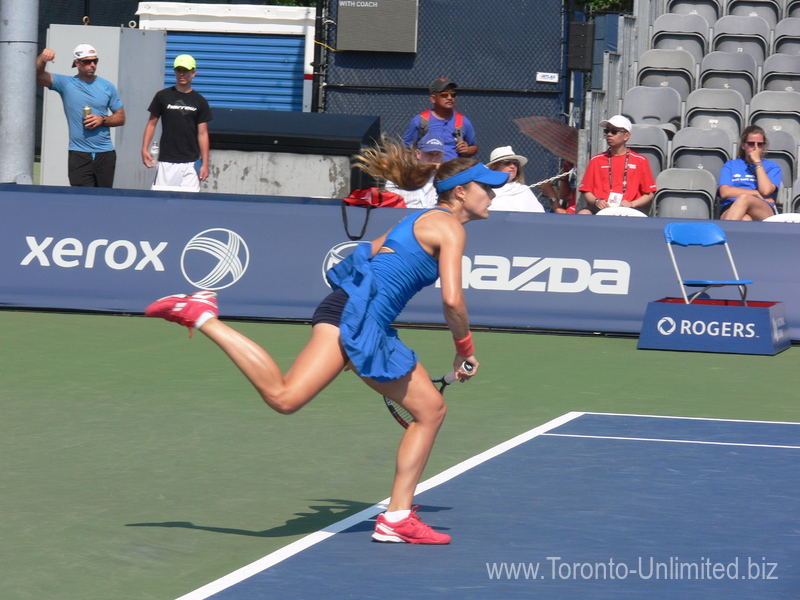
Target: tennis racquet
(404,417)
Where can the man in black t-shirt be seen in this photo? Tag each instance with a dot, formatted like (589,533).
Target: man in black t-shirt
(184,131)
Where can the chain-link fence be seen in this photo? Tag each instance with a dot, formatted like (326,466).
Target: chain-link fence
(493,51)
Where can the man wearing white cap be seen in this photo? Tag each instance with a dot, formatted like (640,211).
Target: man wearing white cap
(184,115)
(87,99)
(618,176)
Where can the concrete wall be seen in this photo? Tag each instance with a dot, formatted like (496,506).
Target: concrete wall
(278,174)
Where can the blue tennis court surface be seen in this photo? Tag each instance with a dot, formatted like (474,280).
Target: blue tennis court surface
(587,506)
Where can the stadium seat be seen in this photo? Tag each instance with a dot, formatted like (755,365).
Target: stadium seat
(685,194)
(651,141)
(645,105)
(716,109)
(668,68)
(776,111)
(707,149)
(782,149)
(787,36)
(781,72)
(746,35)
(688,32)
(769,10)
(794,204)
(705,235)
(730,70)
(793,8)
(710,9)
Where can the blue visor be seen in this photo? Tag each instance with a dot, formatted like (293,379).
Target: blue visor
(480,173)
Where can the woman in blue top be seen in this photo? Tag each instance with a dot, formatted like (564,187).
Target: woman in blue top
(351,327)
(749,184)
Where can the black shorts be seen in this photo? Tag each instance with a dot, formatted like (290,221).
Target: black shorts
(86,170)
(331,308)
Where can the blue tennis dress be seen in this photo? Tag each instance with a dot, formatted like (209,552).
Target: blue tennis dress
(379,287)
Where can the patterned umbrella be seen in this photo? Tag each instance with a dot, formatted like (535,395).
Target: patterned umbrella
(556,136)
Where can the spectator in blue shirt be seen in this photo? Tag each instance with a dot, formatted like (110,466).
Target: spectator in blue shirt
(749,184)
(92,159)
(443,121)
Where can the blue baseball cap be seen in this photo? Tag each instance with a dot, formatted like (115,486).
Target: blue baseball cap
(480,173)
(431,143)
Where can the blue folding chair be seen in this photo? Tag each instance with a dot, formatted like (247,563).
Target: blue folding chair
(702,234)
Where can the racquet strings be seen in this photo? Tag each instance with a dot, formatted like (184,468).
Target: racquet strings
(399,413)
(404,417)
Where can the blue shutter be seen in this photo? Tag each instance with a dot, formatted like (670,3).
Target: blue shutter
(254,71)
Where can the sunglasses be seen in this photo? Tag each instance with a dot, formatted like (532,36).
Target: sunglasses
(508,163)
(88,61)
(613,131)
(447,94)
(759,144)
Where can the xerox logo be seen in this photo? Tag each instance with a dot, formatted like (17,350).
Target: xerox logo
(666,326)
(534,274)
(71,252)
(336,255)
(212,260)
(215,259)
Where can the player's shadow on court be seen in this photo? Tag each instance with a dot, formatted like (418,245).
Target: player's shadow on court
(319,517)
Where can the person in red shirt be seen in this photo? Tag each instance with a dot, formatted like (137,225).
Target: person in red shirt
(618,176)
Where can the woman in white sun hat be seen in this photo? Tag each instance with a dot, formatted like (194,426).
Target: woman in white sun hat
(514,195)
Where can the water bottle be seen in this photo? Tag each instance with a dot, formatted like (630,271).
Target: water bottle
(154,150)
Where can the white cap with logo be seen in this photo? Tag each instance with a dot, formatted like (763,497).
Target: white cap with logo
(619,122)
(83,51)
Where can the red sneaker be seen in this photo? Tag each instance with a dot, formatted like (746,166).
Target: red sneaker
(183,309)
(410,530)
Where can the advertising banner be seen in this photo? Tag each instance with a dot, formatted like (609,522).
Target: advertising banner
(118,250)
(715,326)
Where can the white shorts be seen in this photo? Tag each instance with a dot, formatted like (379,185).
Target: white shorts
(182,175)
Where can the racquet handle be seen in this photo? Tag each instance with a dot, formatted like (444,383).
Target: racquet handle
(451,376)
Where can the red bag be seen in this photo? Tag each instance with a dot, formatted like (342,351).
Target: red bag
(369,199)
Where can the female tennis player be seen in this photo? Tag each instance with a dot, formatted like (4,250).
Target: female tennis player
(351,327)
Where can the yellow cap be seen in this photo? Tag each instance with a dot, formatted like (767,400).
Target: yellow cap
(184,61)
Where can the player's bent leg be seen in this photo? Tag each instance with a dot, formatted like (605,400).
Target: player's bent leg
(419,396)
(317,365)
(416,393)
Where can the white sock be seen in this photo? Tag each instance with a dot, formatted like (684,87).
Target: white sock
(396,515)
(201,320)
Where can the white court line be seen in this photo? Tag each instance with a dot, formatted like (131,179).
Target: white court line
(691,418)
(637,439)
(302,544)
